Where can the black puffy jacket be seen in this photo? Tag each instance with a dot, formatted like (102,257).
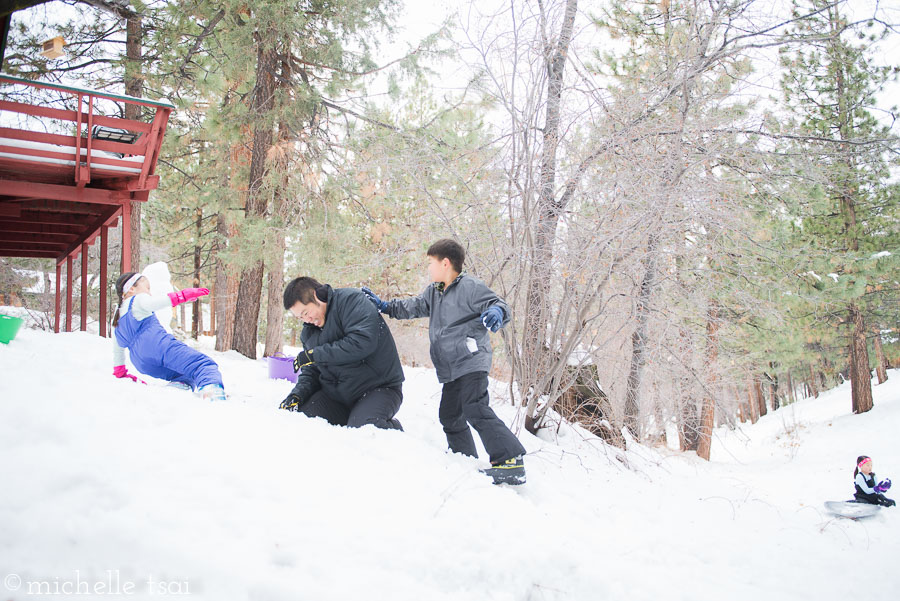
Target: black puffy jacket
(354,350)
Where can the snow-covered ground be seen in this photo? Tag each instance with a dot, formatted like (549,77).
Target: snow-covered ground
(116,489)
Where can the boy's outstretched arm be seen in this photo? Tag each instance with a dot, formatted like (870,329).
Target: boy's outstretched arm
(379,304)
(408,308)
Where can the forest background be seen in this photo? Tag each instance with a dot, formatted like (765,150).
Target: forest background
(690,205)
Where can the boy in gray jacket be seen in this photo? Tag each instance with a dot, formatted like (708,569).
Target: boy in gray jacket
(462,309)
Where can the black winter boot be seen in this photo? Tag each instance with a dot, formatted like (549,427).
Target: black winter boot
(511,471)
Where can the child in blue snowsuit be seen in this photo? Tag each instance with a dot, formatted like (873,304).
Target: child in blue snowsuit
(866,489)
(154,351)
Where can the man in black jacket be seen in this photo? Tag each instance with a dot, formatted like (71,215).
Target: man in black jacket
(350,372)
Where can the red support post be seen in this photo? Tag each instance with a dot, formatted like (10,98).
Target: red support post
(84,286)
(90,138)
(68,293)
(78,122)
(58,291)
(104,230)
(126,236)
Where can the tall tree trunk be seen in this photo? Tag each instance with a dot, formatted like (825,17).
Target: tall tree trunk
(773,386)
(226,288)
(813,381)
(275,246)
(848,189)
(549,209)
(134,86)
(708,410)
(197,315)
(275,310)
(688,417)
(689,430)
(275,306)
(881,363)
(760,396)
(212,311)
(638,340)
(860,376)
(751,402)
(246,315)
(828,372)
(791,394)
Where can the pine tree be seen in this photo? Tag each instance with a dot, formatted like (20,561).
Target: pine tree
(848,212)
(270,67)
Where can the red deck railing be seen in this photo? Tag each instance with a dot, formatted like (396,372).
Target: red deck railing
(61,190)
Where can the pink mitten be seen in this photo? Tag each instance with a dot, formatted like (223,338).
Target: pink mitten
(120,371)
(187,295)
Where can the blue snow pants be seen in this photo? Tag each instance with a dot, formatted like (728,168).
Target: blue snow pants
(157,353)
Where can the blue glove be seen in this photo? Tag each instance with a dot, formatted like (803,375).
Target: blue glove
(883,486)
(379,304)
(492,318)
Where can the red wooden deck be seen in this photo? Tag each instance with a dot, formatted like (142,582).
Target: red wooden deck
(61,193)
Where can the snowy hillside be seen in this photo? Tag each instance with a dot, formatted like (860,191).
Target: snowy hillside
(134,491)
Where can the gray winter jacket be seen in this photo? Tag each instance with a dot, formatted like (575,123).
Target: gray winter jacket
(459,341)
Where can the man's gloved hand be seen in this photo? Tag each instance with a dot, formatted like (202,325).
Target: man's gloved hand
(379,304)
(883,486)
(120,371)
(492,318)
(187,295)
(291,403)
(303,359)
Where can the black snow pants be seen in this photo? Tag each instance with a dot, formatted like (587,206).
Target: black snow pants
(376,407)
(464,402)
(874,499)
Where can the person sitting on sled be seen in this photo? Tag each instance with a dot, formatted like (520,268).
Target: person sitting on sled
(866,489)
(154,351)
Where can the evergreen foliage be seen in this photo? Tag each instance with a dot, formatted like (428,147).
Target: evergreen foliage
(841,215)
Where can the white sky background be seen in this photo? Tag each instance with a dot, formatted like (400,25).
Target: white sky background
(420,18)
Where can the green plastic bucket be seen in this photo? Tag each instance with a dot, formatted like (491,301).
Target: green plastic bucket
(9,327)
